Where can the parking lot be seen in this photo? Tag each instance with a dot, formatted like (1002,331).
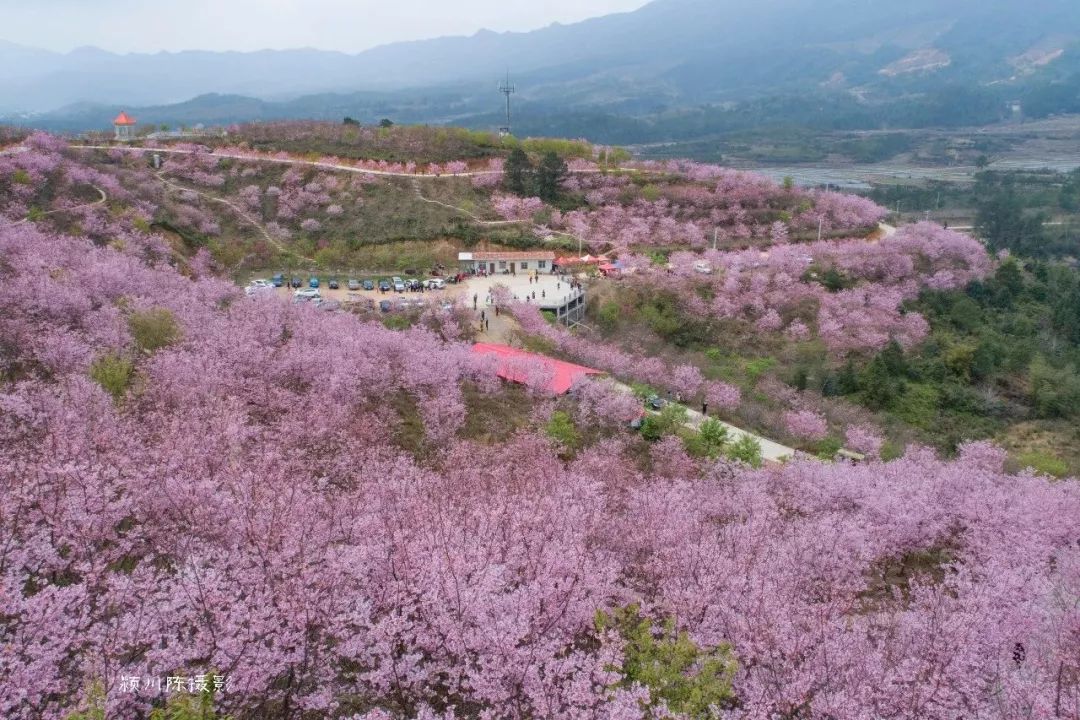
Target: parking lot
(546,288)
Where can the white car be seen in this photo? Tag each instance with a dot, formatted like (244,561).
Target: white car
(436,284)
(703,267)
(257,287)
(306,295)
(399,285)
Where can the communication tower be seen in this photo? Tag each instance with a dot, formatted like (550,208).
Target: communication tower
(507,89)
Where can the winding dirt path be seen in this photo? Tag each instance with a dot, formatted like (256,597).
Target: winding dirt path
(472,216)
(239,211)
(100,201)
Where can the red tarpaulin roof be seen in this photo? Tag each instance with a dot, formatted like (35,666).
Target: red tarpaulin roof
(514,365)
(124,119)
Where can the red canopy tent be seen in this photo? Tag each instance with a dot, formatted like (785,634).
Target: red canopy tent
(514,365)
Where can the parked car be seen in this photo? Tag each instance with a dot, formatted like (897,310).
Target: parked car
(295,282)
(329,305)
(384,286)
(306,295)
(353,284)
(256,287)
(278,280)
(436,284)
(334,284)
(368,285)
(313,282)
(385,306)
(399,285)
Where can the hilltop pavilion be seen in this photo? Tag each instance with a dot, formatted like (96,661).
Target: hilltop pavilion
(124,126)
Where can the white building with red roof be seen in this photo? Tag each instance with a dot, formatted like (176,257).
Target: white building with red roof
(538,262)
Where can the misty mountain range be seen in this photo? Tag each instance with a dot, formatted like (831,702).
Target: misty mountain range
(608,77)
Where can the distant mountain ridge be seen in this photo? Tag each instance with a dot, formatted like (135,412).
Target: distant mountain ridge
(669,54)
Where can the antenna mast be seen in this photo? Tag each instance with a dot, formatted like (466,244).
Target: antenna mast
(507,89)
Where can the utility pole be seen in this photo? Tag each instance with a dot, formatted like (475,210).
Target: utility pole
(820,222)
(715,237)
(507,89)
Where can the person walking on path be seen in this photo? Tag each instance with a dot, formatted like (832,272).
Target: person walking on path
(482,315)
(474,299)
(496,311)
(705,409)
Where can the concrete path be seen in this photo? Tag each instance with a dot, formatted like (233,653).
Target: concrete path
(770,451)
(499,327)
(257,157)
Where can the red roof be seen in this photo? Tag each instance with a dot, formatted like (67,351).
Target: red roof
(124,119)
(530,369)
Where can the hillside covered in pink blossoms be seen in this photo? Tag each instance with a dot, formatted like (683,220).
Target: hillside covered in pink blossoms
(197,482)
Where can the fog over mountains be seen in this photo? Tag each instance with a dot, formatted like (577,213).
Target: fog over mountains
(668,56)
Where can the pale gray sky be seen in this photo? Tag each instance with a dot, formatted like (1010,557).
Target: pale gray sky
(347,25)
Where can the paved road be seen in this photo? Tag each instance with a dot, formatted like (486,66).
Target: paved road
(256,157)
(771,451)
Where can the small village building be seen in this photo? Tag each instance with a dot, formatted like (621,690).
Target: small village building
(540,262)
(124,127)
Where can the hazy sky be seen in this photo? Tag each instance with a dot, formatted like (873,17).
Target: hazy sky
(348,25)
